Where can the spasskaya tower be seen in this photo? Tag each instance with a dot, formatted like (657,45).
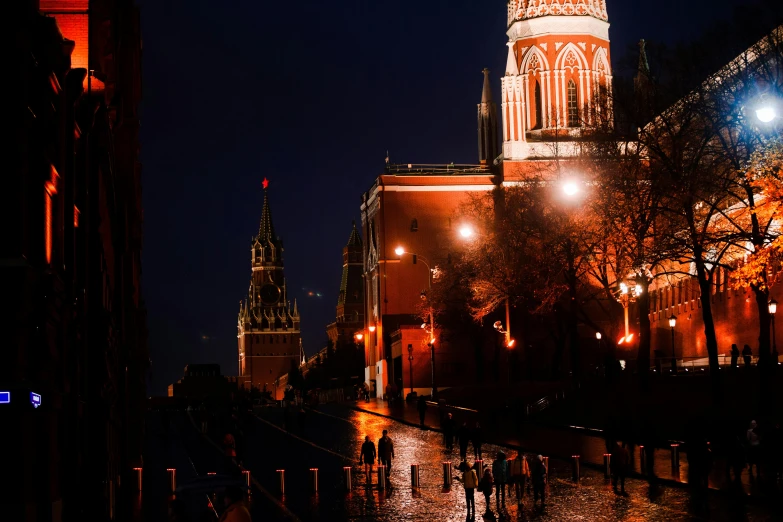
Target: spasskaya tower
(267,326)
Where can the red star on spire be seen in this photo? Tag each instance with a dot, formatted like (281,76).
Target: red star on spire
(265,183)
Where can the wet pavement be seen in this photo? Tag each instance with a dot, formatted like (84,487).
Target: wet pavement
(329,439)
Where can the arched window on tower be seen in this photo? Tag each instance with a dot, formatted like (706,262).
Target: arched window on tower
(573,109)
(539,110)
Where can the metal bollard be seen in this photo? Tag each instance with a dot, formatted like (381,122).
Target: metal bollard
(675,456)
(575,468)
(415,475)
(480,465)
(381,477)
(546,465)
(281,480)
(246,473)
(447,475)
(314,480)
(172,479)
(347,477)
(138,478)
(607,465)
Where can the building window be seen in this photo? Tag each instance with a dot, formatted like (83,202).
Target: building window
(538,108)
(573,109)
(415,225)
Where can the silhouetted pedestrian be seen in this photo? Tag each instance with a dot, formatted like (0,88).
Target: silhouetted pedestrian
(618,466)
(500,472)
(471,482)
(754,445)
(519,472)
(386,452)
(735,353)
(448,431)
(538,476)
(485,486)
(747,353)
(463,438)
(475,438)
(367,457)
(422,407)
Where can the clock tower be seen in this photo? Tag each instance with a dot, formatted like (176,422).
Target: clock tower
(267,326)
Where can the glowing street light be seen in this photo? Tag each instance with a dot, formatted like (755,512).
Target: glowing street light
(466,231)
(672,324)
(359,336)
(372,329)
(399,251)
(766,114)
(773,307)
(570,188)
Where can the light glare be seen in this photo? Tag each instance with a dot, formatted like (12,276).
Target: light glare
(466,231)
(399,251)
(570,188)
(766,114)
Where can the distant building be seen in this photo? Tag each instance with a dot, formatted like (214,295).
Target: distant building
(70,260)
(268,325)
(350,300)
(203,381)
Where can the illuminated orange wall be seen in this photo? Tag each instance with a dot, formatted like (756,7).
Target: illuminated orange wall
(74,23)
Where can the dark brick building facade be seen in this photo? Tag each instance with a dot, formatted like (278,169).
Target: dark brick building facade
(70,261)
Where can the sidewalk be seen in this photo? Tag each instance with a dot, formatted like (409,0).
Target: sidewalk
(560,443)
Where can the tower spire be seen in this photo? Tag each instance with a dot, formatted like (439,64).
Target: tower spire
(487,124)
(266,230)
(642,85)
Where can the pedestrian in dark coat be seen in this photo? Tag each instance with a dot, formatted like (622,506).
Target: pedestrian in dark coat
(367,457)
(735,353)
(485,486)
(475,438)
(448,431)
(747,353)
(538,473)
(422,407)
(618,466)
(500,472)
(386,451)
(463,437)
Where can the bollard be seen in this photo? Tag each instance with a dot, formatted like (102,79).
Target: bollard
(675,456)
(607,465)
(246,473)
(575,468)
(314,480)
(546,465)
(447,475)
(281,480)
(138,478)
(414,475)
(381,477)
(480,468)
(642,460)
(172,478)
(347,477)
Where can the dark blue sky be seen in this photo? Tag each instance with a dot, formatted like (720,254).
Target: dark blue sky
(310,95)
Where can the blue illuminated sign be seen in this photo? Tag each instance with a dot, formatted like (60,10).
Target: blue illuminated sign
(5,397)
(35,399)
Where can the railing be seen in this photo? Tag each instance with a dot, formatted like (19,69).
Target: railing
(451,168)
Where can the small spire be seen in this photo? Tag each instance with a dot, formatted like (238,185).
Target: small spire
(296,309)
(354,239)
(266,230)
(644,66)
(511,62)
(486,94)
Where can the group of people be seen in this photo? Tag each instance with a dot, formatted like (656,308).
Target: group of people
(747,355)
(384,454)
(516,472)
(759,445)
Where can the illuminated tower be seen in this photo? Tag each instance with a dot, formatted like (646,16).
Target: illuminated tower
(267,326)
(487,124)
(558,69)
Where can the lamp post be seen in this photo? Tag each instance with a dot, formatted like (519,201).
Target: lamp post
(625,296)
(410,365)
(672,323)
(773,307)
(400,251)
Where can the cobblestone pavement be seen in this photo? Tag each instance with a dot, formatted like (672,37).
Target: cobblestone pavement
(329,439)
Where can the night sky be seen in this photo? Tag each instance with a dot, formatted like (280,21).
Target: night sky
(310,95)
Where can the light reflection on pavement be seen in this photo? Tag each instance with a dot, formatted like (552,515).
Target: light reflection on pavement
(342,430)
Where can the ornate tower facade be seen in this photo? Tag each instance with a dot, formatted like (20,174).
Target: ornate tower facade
(557,70)
(268,326)
(350,301)
(487,124)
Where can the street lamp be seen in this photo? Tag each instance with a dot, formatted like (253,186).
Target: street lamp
(410,365)
(766,114)
(400,251)
(466,231)
(570,188)
(372,329)
(773,307)
(359,336)
(672,323)
(625,296)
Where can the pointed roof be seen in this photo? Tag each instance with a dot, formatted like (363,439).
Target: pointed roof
(486,93)
(266,230)
(511,62)
(644,66)
(355,239)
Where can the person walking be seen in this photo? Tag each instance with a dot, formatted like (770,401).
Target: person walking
(463,437)
(500,472)
(754,445)
(747,353)
(448,431)
(538,473)
(485,486)
(471,482)
(236,511)
(229,452)
(519,472)
(422,407)
(618,467)
(475,438)
(367,457)
(735,353)
(386,452)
